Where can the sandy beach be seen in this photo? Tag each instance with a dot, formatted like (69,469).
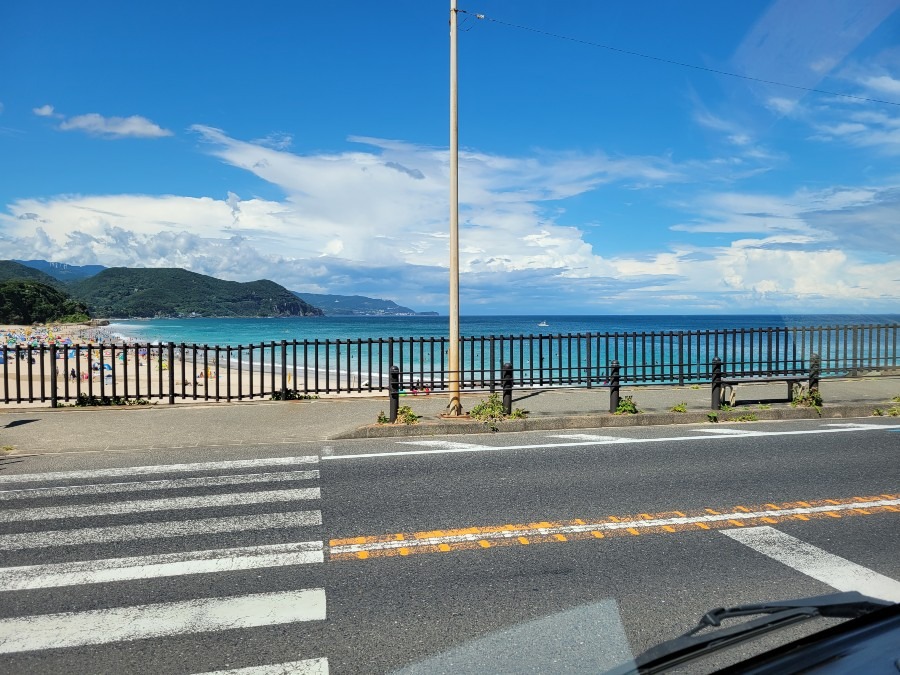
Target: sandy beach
(92,362)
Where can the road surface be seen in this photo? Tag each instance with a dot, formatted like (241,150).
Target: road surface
(538,552)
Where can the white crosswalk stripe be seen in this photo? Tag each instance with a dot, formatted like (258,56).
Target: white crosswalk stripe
(158,468)
(166,504)
(144,486)
(178,528)
(56,631)
(165,565)
(93,627)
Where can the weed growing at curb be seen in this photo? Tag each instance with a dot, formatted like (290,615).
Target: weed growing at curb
(808,399)
(85,401)
(749,417)
(383,419)
(695,386)
(6,449)
(679,408)
(896,399)
(292,395)
(878,412)
(725,407)
(626,406)
(764,406)
(492,411)
(894,411)
(405,415)
(712,417)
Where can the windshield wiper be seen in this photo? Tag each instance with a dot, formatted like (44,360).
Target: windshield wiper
(776,615)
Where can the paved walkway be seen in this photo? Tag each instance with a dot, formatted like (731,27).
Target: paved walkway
(46,430)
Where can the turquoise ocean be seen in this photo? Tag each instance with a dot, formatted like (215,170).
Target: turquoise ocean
(253,331)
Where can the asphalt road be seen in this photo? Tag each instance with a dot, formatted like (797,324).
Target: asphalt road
(538,552)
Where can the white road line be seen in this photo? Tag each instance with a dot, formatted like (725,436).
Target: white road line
(732,432)
(102,626)
(668,439)
(158,468)
(603,527)
(812,561)
(166,504)
(448,445)
(305,667)
(586,437)
(143,486)
(164,565)
(179,528)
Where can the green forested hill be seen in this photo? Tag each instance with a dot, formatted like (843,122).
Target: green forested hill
(9,270)
(129,292)
(25,302)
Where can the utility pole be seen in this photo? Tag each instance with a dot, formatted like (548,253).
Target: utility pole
(454,409)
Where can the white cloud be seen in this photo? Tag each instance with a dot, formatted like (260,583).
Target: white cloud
(44,111)
(883,83)
(373,221)
(114,127)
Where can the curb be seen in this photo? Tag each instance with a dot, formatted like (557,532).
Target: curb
(601,420)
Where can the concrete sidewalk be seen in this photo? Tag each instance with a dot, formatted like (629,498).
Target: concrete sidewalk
(45,430)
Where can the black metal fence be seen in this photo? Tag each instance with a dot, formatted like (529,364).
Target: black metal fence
(168,371)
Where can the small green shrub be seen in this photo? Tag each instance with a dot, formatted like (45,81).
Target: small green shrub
(725,407)
(492,411)
(809,399)
(626,406)
(894,411)
(679,408)
(291,395)
(878,412)
(749,417)
(712,417)
(383,419)
(896,399)
(405,415)
(84,401)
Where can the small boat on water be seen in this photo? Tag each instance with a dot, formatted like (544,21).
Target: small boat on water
(543,324)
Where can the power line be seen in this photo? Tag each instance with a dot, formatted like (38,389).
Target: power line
(672,62)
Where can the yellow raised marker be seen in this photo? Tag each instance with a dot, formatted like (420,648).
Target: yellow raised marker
(404,551)
(523,540)
(484,543)
(444,547)
(362,555)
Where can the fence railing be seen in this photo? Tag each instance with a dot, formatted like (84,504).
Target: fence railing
(287,369)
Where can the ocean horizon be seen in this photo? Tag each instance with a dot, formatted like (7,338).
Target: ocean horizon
(207,331)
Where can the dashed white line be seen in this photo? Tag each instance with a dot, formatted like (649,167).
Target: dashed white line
(102,626)
(812,561)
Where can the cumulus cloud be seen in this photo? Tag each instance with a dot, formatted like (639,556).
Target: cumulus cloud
(373,220)
(114,127)
(44,111)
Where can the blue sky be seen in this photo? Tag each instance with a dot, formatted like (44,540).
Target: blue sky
(307,143)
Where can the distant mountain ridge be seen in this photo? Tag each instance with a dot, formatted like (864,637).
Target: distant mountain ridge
(63,271)
(124,292)
(357,305)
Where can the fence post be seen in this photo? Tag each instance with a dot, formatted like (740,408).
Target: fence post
(172,373)
(394,389)
(613,386)
(716,401)
(53,373)
(284,393)
(681,358)
(854,370)
(507,379)
(815,371)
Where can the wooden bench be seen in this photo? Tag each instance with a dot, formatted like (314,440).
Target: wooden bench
(724,385)
(730,384)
